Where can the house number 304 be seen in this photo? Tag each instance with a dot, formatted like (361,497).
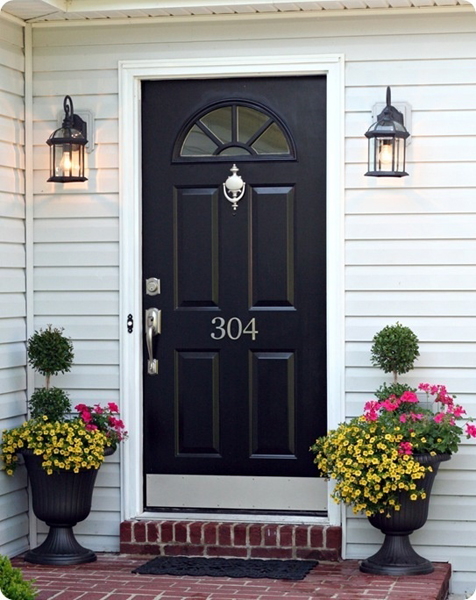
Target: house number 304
(233,328)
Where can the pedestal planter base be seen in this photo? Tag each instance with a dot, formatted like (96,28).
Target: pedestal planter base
(396,557)
(61,500)
(60,548)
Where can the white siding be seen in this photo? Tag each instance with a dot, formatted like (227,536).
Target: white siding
(410,243)
(13,493)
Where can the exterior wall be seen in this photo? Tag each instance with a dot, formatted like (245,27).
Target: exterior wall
(410,243)
(13,493)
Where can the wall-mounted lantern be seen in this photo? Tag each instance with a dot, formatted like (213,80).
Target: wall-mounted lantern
(67,147)
(387,143)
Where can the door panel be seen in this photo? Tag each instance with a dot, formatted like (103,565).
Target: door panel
(271,250)
(196,247)
(241,384)
(197,436)
(272,391)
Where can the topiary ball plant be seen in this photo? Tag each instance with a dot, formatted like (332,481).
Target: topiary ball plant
(53,403)
(50,352)
(12,584)
(394,350)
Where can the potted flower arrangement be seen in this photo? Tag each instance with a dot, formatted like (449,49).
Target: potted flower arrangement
(62,451)
(384,462)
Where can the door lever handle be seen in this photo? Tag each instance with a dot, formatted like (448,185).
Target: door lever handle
(153,327)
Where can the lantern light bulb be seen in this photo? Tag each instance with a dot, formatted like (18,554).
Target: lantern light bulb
(65,164)
(386,154)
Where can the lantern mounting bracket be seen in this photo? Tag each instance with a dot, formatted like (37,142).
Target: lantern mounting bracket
(83,121)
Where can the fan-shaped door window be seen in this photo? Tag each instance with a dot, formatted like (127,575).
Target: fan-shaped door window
(236,129)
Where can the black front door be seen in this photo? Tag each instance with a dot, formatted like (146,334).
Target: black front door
(240,388)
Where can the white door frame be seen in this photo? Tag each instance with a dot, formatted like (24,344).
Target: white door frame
(131,73)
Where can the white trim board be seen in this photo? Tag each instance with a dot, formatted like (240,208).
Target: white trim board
(389,12)
(131,73)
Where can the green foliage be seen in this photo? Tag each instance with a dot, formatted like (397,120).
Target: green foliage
(394,389)
(52,402)
(395,349)
(12,584)
(50,352)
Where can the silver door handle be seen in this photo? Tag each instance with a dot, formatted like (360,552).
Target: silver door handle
(153,327)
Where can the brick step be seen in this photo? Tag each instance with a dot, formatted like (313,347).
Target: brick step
(241,540)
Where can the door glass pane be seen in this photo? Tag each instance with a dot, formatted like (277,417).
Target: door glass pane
(234,151)
(249,121)
(272,141)
(197,143)
(219,123)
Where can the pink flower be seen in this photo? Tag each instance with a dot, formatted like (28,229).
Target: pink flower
(409,397)
(416,416)
(113,406)
(471,430)
(86,416)
(371,410)
(91,427)
(391,403)
(405,448)
(457,411)
(403,418)
(439,417)
(98,409)
(81,407)
(371,416)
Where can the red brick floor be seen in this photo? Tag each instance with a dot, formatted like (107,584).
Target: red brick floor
(110,578)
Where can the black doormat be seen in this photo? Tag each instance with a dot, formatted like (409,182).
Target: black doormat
(227,567)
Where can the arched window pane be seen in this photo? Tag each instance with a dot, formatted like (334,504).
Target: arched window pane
(249,122)
(197,143)
(234,151)
(272,141)
(219,123)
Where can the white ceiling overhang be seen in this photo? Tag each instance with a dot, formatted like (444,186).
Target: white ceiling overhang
(37,11)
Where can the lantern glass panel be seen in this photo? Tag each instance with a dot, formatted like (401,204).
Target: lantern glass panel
(69,160)
(399,155)
(385,154)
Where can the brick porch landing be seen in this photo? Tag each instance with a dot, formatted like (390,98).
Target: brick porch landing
(110,578)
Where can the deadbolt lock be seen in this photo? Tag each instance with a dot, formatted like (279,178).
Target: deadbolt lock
(152,286)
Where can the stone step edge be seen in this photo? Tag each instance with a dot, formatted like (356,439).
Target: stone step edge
(238,539)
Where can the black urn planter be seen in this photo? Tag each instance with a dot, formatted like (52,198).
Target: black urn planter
(61,500)
(396,556)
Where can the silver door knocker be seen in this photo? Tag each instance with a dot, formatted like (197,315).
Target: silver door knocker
(234,187)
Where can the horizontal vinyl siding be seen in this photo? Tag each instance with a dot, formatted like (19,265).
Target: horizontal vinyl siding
(410,243)
(13,492)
